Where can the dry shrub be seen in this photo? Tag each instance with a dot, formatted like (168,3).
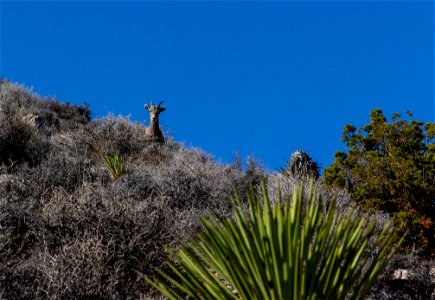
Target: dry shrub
(76,270)
(110,135)
(26,123)
(155,154)
(16,100)
(407,277)
(62,116)
(21,143)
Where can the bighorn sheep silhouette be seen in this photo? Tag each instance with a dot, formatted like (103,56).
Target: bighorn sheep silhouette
(153,131)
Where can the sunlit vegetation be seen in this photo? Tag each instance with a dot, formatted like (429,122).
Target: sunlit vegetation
(72,229)
(115,166)
(390,166)
(287,250)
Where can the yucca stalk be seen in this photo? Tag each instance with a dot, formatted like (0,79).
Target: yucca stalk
(115,166)
(281,251)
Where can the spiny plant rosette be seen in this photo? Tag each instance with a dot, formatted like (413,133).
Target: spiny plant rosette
(115,166)
(280,251)
(301,165)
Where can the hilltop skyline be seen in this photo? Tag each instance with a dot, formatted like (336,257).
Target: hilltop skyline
(258,78)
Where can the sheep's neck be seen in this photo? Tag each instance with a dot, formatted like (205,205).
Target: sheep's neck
(154,126)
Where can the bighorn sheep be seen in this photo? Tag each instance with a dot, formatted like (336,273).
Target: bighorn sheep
(153,131)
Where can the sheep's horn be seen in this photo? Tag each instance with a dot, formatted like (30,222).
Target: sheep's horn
(160,103)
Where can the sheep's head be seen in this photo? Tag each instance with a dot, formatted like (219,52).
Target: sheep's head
(154,111)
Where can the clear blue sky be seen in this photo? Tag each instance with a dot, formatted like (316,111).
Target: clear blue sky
(261,78)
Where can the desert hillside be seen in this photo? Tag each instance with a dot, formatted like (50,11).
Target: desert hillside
(71,229)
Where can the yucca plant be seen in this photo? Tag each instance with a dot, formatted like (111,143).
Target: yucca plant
(301,165)
(115,166)
(281,251)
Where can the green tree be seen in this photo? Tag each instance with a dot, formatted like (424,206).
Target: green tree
(280,251)
(390,166)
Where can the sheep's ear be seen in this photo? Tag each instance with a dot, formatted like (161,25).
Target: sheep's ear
(147,107)
(162,109)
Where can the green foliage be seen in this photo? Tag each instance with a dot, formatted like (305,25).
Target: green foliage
(279,251)
(301,165)
(390,166)
(115,166)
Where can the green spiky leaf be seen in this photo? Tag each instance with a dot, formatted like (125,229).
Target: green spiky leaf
(286,250)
